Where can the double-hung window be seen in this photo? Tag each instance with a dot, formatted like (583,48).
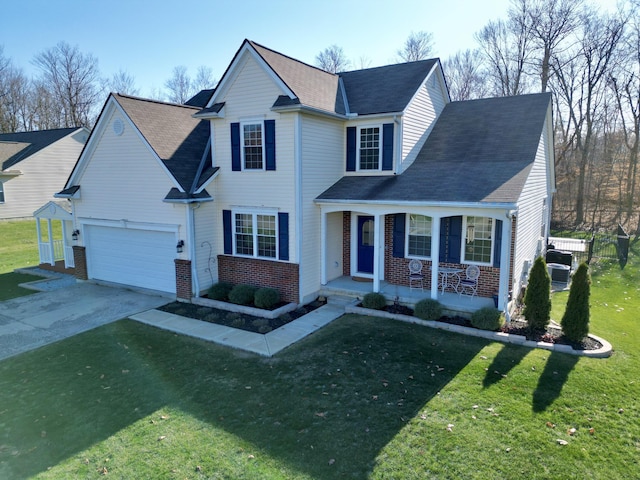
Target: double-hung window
(252,146)
(478,246)
(255,235)
(419,236)
(369,148)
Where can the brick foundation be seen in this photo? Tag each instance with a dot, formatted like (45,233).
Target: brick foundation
(183,279)
(281,276)
(80,261)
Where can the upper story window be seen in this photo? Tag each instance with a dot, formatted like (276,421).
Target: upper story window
(369,149)
(252,142)
(478,246)
(253,145)
(419,236)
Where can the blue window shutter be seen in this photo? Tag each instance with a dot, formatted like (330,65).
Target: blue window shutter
(450,239)
(497,246)
(270,144)
(228,232)
(235,147)
(387,146)
(283,236)
(399,223)
(351,149)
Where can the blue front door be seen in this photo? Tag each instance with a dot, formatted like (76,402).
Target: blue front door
(366,234)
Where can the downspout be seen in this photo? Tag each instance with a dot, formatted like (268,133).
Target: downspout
(298,201)
(505,264)
(195,284)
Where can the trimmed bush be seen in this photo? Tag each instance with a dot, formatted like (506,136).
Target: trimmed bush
(220,291)
(487,318)
(266,298)
(537,297)
(428,309)
(575,321)
(242,294)
(374,300)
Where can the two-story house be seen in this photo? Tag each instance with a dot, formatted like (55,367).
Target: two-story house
(291,177)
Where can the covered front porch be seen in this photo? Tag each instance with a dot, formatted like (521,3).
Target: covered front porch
(369,248)
(54,224)
(357,288)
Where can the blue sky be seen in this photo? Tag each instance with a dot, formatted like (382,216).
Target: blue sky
(148,39)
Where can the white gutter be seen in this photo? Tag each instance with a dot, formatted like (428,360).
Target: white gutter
(298,199)
(510,206)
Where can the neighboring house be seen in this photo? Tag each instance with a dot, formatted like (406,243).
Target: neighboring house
(34,166)
(291,177)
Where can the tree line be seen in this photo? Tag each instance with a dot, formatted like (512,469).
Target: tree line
(587,58)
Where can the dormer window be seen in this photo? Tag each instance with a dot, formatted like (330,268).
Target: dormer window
(369,149)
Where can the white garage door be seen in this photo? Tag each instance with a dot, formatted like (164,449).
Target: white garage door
(142,258)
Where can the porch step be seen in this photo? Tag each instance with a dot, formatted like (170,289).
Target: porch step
(341,300)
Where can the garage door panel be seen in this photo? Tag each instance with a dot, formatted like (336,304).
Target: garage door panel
(142,258)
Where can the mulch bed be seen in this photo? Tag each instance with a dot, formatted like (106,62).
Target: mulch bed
(249,323)
(517,326)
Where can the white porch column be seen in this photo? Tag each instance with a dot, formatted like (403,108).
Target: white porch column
(377,242)
(323,247)
(51,248)
(505,266)
(435,255)
(39,233)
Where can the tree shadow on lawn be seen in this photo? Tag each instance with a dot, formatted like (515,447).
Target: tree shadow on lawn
(507,358)
(554,376)
(342,393)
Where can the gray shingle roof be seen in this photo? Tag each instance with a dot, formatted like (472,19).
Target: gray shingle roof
(177,138)
(384,89)
(479,151)
(200,99)
(15,147)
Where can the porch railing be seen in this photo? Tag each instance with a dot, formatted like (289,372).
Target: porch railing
(58,251)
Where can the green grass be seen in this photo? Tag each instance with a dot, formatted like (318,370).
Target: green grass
(18,244)
(361,398)
(9,285)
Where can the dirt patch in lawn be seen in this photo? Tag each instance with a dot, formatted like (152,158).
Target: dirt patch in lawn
(242,321)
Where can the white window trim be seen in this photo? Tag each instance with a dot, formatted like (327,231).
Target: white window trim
(406,237)
(254,226)
(464,241)
(244,123)
(2,193)
(380,147)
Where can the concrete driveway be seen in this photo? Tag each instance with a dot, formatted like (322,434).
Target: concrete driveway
(42,318)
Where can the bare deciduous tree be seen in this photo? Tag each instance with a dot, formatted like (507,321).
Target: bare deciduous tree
(124,83)
(333,60)
(73,79)
(465,75)
(204,79)
(179,85)
(416,47)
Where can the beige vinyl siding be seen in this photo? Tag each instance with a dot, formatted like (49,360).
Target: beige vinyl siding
(420,117)
(43,175)
(250,94)
(531,212)
(124,181)
(205,247)
(334,245)
(323,149)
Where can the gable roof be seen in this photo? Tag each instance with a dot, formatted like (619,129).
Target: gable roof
(201,98)
(179,140)
(387,89)
(480,151)
(15,147)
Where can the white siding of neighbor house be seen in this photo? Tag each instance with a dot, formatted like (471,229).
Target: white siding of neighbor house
(249,96)
(43,175)
(531,212)
(420,117)
(123,181)
(323,157)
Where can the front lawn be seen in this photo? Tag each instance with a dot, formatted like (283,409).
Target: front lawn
(19,244)
(361,398)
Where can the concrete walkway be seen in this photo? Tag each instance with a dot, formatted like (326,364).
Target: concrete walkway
(267,345)
(35,320)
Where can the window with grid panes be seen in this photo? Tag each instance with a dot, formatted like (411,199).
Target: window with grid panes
(255,235)
(478,239)
(369,148)
(252,146)
(419,237)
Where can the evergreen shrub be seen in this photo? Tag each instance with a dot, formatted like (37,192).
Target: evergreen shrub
(428,309)
(537,297)
(575,321)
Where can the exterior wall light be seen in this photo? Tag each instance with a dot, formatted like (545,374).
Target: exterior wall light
(75,234)
(180,246)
